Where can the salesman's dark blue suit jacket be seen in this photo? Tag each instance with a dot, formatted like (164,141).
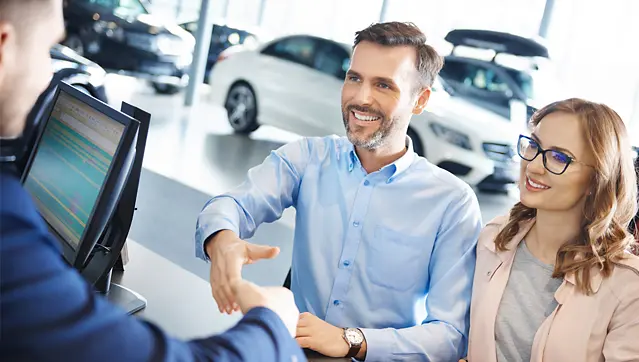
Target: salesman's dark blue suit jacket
(48,312)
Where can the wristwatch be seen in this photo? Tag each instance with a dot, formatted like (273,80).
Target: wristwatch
(355,338)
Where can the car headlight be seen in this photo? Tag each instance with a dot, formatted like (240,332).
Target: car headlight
(451,136)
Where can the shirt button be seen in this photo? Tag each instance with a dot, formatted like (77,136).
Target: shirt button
(366,183)
(356,223)
(346,263)
(488,273)
(336,302)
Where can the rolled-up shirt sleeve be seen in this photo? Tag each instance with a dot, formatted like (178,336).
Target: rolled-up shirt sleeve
(268,190)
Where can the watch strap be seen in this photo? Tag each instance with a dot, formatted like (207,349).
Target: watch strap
(354,348)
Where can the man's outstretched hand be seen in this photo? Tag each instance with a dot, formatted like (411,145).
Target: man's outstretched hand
(228,253)
(278,299)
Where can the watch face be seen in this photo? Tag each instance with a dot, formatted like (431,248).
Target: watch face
(354,336)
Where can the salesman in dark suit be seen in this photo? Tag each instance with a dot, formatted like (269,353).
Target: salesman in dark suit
(47,312)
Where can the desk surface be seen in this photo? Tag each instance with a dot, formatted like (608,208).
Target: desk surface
(177,300)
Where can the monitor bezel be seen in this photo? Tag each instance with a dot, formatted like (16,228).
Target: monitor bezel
(78,255)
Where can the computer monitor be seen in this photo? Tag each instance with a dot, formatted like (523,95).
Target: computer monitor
(78,168)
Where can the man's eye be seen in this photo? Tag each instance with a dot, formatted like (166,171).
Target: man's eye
(383,86)
(353,78)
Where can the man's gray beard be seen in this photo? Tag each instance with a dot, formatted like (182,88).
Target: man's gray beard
(371,143)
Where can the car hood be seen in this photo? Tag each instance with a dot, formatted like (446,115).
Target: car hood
(146,23)
(500,42)
(474,121)
(65,58)
(61,53)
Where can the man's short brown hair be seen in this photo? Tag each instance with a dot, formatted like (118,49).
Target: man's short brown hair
(391,34)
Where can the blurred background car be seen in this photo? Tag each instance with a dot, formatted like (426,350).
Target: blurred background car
(491,69)
(78,71)
(222,37)
(122,36)
(474,144)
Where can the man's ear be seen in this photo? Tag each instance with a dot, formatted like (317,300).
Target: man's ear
(422,100)
(7,35)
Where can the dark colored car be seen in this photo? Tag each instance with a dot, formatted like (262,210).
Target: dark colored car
(121,35)
(492,84)
(222,38)
(79,71)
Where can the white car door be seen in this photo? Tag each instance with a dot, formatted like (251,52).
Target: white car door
(283,76)
(324,104)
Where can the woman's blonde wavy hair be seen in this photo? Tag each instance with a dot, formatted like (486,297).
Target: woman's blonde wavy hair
(609,208)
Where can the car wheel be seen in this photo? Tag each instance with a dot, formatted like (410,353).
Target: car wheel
(418,147)
(241,108)
(83,89)
(74,42)
(162,88)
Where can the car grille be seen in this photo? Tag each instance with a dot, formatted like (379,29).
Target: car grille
(499,152)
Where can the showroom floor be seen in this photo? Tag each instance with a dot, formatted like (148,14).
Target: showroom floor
(192,155)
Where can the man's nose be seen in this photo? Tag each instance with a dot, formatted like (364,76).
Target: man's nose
(364,95)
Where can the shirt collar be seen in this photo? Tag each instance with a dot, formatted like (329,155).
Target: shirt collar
(390,171)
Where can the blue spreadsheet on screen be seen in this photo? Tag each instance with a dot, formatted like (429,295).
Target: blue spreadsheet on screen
(71,164)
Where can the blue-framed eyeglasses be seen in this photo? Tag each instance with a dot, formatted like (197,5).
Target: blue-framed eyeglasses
(556,162)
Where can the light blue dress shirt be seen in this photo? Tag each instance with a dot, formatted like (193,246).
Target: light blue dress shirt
(391,252)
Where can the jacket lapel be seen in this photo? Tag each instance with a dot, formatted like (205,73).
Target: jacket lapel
(499,276)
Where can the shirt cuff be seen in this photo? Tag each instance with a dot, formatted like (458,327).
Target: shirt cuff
(204,231)
(380,344)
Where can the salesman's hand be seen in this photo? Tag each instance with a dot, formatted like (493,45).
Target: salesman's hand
(228,253)
(279,300)
(313,333)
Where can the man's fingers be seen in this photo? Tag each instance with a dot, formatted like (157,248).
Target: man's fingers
(256,252)
(230,297)
(304,342)
(222,299)
(302,332)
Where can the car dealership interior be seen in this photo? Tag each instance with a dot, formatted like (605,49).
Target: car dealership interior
(215,87)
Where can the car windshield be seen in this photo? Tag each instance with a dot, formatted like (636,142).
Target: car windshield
(536,84)
(130,8)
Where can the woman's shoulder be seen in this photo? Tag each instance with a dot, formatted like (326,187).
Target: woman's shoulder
(628,267)
(491,229)
(624,280)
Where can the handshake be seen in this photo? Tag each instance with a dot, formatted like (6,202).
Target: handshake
(228,254)
(278,299)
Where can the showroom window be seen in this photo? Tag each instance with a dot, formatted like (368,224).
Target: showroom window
(299,49)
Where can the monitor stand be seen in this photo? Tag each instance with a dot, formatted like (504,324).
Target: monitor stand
(119,295)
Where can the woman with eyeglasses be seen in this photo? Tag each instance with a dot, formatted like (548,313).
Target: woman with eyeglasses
(555,281)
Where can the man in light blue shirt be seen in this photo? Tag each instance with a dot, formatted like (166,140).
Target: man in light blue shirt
(384,248)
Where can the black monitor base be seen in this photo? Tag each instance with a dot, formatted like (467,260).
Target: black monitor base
(126,298)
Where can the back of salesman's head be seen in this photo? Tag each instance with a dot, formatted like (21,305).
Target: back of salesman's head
(28,30)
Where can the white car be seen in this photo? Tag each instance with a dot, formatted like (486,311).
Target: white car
(294,83)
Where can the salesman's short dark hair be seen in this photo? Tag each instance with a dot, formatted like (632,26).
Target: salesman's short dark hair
(428,62)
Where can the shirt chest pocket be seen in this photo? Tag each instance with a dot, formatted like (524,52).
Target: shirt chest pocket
(393,259)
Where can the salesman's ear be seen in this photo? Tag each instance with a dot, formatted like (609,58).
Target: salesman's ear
(422,100)
(7,46)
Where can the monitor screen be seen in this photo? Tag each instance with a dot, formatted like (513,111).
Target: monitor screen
(71,164)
